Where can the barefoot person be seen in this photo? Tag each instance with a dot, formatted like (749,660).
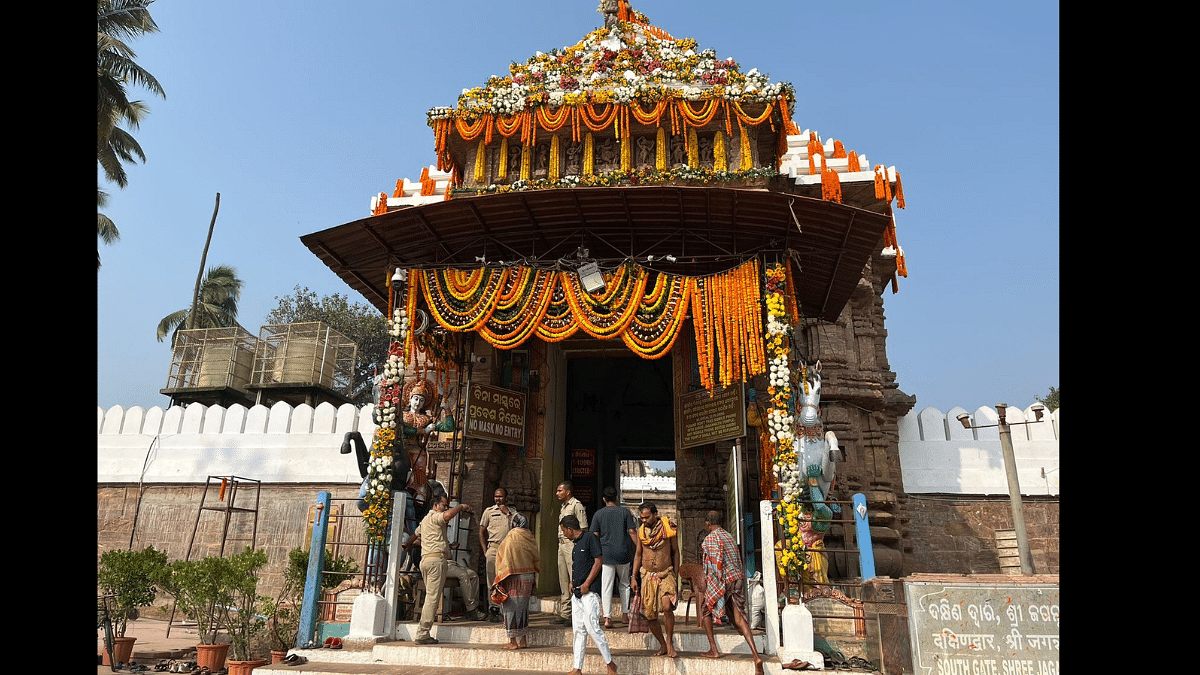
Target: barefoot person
(724,585)
(586,560)
(655,563)
(517,560)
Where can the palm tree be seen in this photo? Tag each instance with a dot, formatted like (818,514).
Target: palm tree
(106,230)
(215,308)
(117,20)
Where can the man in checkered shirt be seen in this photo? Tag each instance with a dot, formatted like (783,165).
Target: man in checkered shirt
(724,585)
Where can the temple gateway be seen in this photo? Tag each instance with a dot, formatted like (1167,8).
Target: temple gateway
(627,249)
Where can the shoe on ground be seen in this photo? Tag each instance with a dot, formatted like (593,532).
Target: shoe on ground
(477,615)
(494,618)
(426,641)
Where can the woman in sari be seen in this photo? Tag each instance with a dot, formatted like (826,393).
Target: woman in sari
(517,561)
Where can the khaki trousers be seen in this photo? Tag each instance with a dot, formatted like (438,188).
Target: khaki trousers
(490,566)
(564,578)
(468,583)
(433,571)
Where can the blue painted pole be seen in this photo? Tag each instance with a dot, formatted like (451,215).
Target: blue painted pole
(866,554)
(312,581)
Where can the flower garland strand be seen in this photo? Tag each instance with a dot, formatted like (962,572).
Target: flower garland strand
(780,420)
(383,445)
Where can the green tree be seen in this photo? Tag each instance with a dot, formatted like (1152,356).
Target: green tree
(361,323)
(1050,400)
(217,306)
(106,230)
(116,69)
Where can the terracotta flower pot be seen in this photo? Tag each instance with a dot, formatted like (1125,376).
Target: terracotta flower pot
(212,656)
(122,650)
(244,667)
(278,656)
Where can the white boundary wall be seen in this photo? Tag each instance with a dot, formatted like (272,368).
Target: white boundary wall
(185,444)
(282,444)
(937,455)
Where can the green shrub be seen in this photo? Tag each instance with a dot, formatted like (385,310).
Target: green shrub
(130,576)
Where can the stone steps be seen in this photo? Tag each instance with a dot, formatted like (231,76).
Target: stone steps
(475,647)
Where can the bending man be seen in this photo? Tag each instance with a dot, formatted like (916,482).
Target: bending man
(724,585)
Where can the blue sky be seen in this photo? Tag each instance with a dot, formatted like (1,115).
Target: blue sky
(297,112)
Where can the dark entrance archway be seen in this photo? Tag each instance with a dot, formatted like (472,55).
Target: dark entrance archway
(618,408)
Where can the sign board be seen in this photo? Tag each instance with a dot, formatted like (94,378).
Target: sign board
(495,414)
(583,463)
(981,629)
(700,419)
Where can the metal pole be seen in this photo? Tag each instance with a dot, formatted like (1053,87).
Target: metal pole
(312,582)
(1014,496)
(862,530)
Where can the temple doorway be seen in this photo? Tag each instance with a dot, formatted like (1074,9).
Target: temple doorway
(618,409)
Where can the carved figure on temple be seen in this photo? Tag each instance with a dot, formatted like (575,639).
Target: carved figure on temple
(418,424)
(574,159)
(706,152)
(514,162)
(817,571)
(608,155)
(541,170)
(678,153)
(645,153)
(814,449)
(609,8)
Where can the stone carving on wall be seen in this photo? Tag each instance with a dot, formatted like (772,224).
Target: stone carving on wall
(574,165)
(514,161)
(520,478)
(606,156)
(706,152)
(678,153)
(541,165)
(644,157)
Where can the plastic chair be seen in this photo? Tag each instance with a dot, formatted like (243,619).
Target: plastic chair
(694,573)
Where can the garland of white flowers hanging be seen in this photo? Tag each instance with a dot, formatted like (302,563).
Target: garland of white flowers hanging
(780,420)
(383,446)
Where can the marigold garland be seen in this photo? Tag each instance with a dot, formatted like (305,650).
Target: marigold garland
(502,161)
(720,161)
(555,158)
(727,326)
(781,418)
(480,163)
(660,149)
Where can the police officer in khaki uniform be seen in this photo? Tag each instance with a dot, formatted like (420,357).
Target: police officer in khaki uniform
(434,547)
(494,524)
(570,507)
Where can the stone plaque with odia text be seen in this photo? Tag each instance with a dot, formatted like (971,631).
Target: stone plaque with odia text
(981,629)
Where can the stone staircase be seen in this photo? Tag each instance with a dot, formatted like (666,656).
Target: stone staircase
(475,647)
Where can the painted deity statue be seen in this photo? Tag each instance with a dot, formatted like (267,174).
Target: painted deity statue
(418,424)
(814,452)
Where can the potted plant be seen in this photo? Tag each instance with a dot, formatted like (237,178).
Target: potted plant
(202,592)
(129,577)
(244,619)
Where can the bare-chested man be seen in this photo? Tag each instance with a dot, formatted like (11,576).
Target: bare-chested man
(655,577)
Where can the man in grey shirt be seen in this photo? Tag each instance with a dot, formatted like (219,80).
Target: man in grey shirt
(616,528)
